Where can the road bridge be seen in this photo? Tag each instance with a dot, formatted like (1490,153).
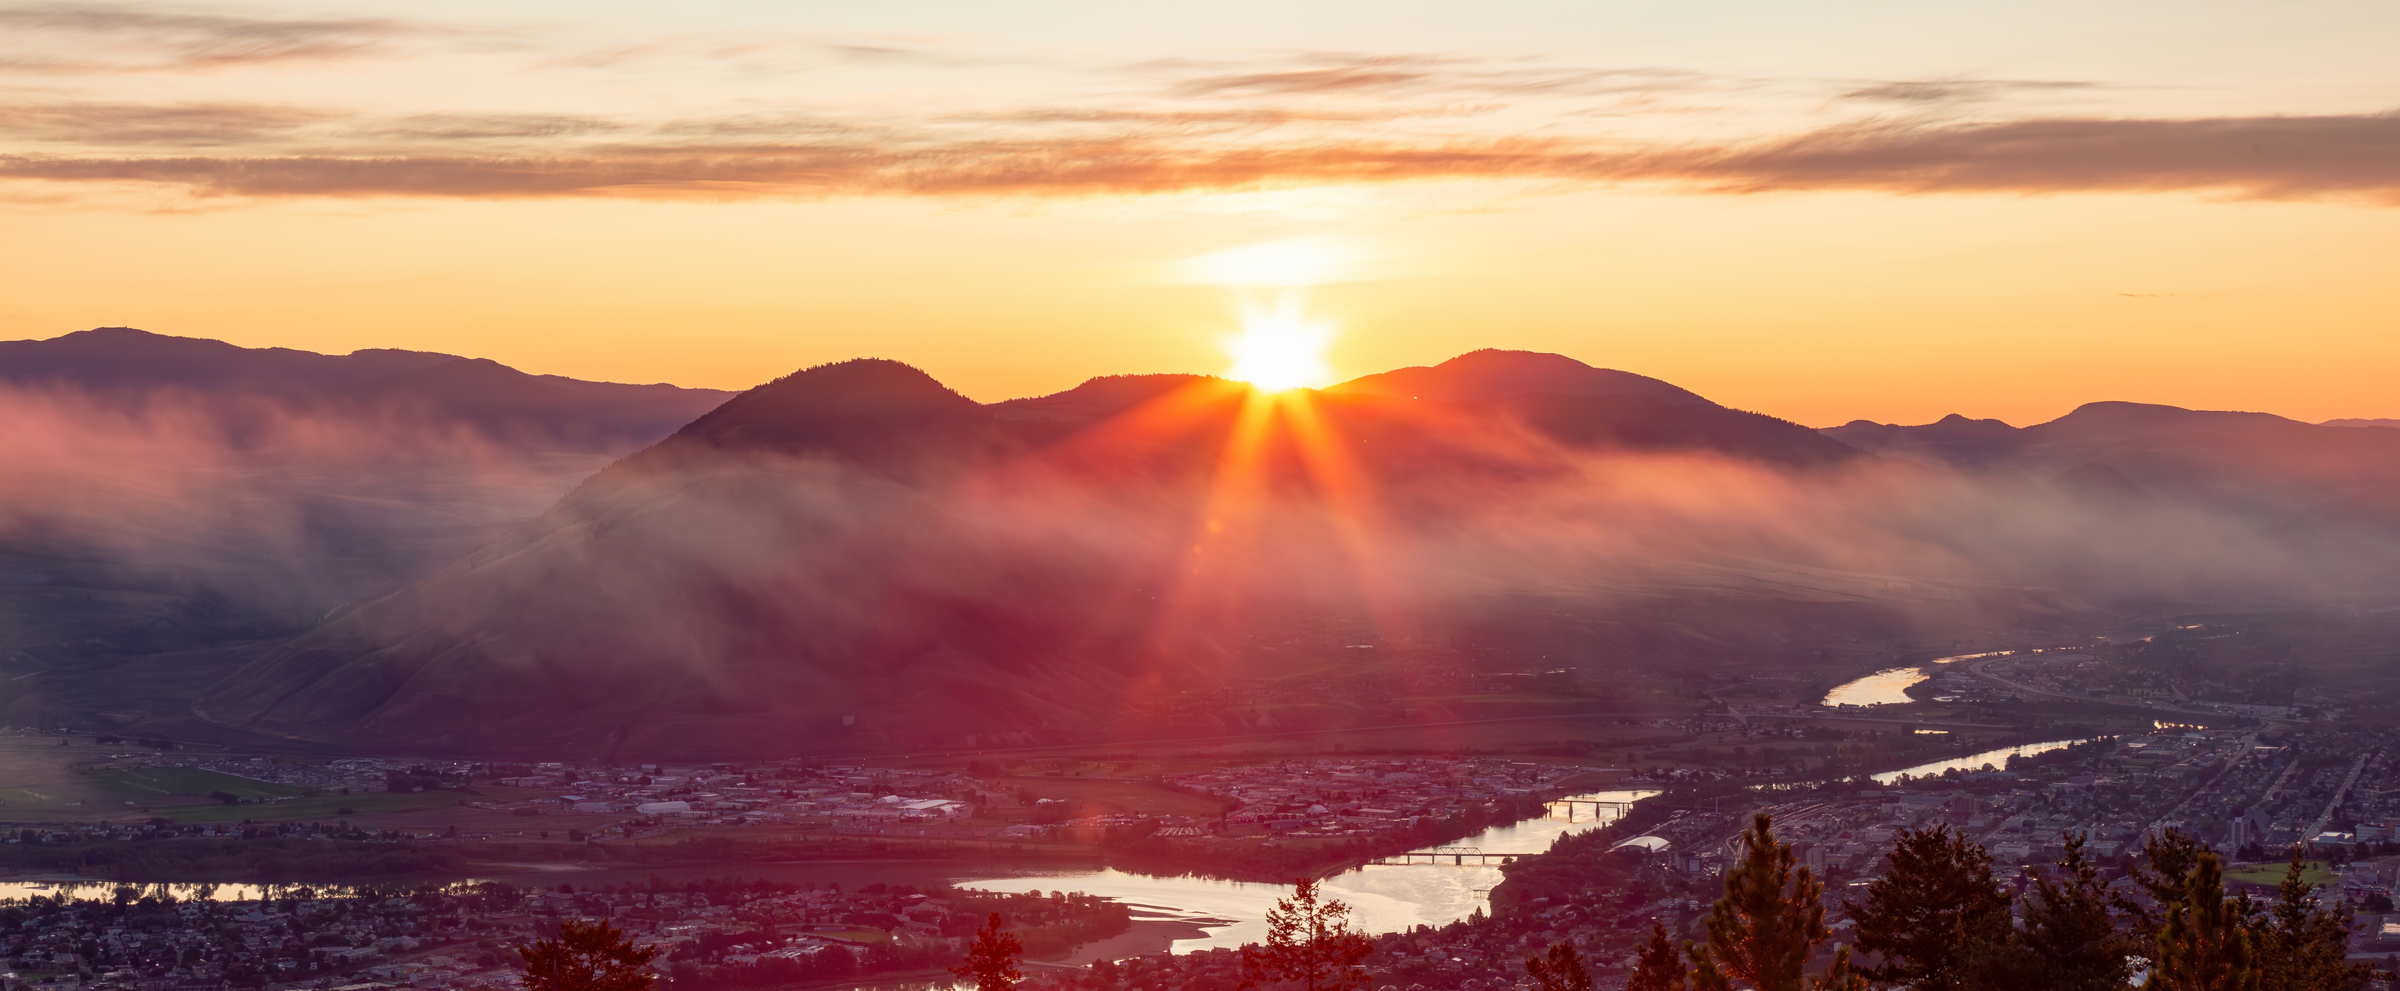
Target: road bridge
(1449,856)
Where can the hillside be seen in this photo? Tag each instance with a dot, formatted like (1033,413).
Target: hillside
(168,494)
(856,557)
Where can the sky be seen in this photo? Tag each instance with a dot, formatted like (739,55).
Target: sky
(1829,211)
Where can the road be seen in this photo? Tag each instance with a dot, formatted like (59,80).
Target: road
(2334,804)
(2239,756)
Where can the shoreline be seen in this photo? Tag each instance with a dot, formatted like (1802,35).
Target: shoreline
(1145,938)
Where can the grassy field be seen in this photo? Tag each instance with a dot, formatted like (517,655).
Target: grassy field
(137,782)
(2312,872)
(39,780)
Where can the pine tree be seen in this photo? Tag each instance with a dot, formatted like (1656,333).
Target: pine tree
(1560,969)
(2303,947)
(1926,915)
(992,958)
(1310,942)
(1768,924)
(589,956)
(2166,863)
(2203,943)
(1660,966)
(2069,941)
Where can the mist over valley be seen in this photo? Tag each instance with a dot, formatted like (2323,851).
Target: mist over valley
(397,551)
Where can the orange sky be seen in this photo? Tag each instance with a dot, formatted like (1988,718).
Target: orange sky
(1854,214)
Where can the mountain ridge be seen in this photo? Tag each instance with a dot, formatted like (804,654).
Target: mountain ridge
(240,386)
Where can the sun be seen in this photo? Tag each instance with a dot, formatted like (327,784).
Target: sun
(1280,350)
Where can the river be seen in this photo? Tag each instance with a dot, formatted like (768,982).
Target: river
(1225,913)
(1971,762)
(1890,685)
(1228,913)
(1382,898)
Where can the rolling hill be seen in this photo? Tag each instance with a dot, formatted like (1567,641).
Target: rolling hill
(857,556)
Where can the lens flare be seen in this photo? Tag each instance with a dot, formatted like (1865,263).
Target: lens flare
(1279,350)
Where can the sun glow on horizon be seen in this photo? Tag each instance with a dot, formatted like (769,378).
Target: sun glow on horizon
(1280,350)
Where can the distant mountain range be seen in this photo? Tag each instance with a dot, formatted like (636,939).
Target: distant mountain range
(856,557)
(896,549)
(430,390)
(2251,462)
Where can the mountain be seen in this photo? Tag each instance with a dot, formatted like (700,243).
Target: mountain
(856,558)
(1495,374)
(2234,461)
(166,494)
(2357,422)
(245,388)
(538,412)
(122,358)
(1952,440)
(855,555)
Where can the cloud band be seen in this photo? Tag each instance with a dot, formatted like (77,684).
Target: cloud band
(2354,156)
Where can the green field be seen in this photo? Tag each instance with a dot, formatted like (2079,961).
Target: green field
(157,782)
(28,797)
(2311,872)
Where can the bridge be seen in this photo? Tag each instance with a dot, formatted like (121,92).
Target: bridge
(1620,808)
(1448,856)
(1458,856)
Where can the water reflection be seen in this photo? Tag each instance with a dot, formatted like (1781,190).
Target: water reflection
(85,888)
(1382,898)
(1229,913)
(1890,685)
(1974,762)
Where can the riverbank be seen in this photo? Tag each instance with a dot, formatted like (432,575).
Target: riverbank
(329,853)
(1147,936)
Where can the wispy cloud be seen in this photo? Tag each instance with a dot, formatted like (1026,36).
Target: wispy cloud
(1360,75)
(1419,76)
(2260,157)
(1036,168)
(473,127)
(105,38)
(1959,90)
(138,125)
(757,55)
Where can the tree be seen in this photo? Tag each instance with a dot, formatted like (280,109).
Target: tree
(2068,940)
(1310,942)
(1660,966)
(1560,969)
(2166,863)
(2203,943)
(1931,910)
(2303,947)
(992,958)
(587,956)
(1760,934)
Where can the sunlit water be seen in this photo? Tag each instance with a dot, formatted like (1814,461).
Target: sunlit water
(77,888)
(1890,685)
(1973,762)
(1382,898)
